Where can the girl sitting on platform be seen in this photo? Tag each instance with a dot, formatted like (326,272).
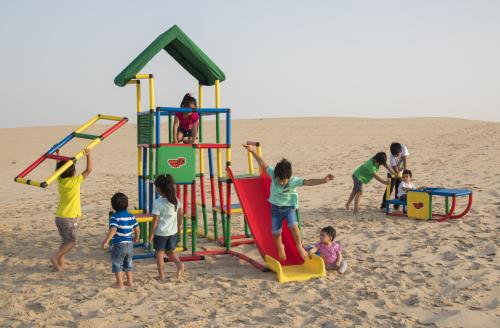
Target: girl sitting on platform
(186,124)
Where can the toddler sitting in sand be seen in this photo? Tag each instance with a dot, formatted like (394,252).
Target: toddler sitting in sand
(330,251)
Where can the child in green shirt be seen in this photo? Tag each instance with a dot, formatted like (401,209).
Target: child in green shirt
(363,175)
(284,200)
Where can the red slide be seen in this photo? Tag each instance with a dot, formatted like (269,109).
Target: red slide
(253,193)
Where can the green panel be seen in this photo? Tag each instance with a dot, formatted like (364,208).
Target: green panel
(179,161)
(178,45)
(144,129)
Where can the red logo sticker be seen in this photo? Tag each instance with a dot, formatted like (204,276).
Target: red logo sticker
(418,205)
(176,163)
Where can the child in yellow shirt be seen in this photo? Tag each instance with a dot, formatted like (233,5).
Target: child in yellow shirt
(69,209)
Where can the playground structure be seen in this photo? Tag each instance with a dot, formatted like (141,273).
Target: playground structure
(418,204)
(78,133)
(155,157)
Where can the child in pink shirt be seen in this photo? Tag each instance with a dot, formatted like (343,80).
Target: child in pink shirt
(330,251)
(186,124)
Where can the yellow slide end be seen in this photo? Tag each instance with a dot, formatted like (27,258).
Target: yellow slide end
(311,268)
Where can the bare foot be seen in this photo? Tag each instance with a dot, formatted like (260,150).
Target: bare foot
(129,283)
(180,271)
(118,286)
(55,264)
(159,278)
(347,207)
(281,252)
(303,253)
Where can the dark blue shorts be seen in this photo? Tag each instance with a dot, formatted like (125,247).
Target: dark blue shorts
(358,185)
(280,213)
(165,243)
(121,257)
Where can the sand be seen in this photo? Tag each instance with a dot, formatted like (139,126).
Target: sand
(402,272)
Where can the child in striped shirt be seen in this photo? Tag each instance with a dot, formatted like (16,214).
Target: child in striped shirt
(123,232)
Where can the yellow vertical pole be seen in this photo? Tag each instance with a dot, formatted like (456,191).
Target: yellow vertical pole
(217,105)
(139,109)
(250,163)
(388,189)
(259,152)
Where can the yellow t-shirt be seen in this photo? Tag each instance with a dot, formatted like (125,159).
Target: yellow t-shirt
(69,197)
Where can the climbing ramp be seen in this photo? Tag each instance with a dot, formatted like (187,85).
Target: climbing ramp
(253,193)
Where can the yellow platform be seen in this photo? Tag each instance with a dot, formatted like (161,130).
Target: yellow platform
(311,268)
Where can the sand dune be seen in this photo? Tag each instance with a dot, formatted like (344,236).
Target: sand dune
(403,273)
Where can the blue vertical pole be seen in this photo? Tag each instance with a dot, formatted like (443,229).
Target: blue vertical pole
(228,127)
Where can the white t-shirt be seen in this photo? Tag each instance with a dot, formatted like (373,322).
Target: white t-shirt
(398,160)
(407,185)
(167,212)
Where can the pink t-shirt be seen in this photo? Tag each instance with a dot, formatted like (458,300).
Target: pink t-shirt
(329,253)
(186,121)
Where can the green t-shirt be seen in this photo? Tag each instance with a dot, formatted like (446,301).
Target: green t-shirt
(365,172)
(284,195)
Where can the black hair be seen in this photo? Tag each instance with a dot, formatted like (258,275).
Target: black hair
(330,231)
(119,201)
(283,169)
(188,99)
(70,171)
(380,158)
(408,172)
(166,186)
(396,148)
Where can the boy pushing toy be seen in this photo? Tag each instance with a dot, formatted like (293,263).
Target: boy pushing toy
(284,199)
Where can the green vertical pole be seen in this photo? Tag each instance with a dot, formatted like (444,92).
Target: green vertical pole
(184,232)
(247,230)
(228,232)
(216,230)
(447,204)
(224,230)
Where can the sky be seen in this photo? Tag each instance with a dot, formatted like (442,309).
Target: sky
(377,59)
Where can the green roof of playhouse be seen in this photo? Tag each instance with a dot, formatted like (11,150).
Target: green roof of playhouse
(183,50)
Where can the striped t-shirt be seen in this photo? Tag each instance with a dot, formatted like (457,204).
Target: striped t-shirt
(124,222)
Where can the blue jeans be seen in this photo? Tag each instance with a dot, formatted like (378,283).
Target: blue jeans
(278,213)
(121,257)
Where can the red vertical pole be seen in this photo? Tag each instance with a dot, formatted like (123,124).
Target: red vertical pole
(228,217)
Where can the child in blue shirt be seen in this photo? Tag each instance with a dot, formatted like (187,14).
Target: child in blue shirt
(284,199)
(123,231)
